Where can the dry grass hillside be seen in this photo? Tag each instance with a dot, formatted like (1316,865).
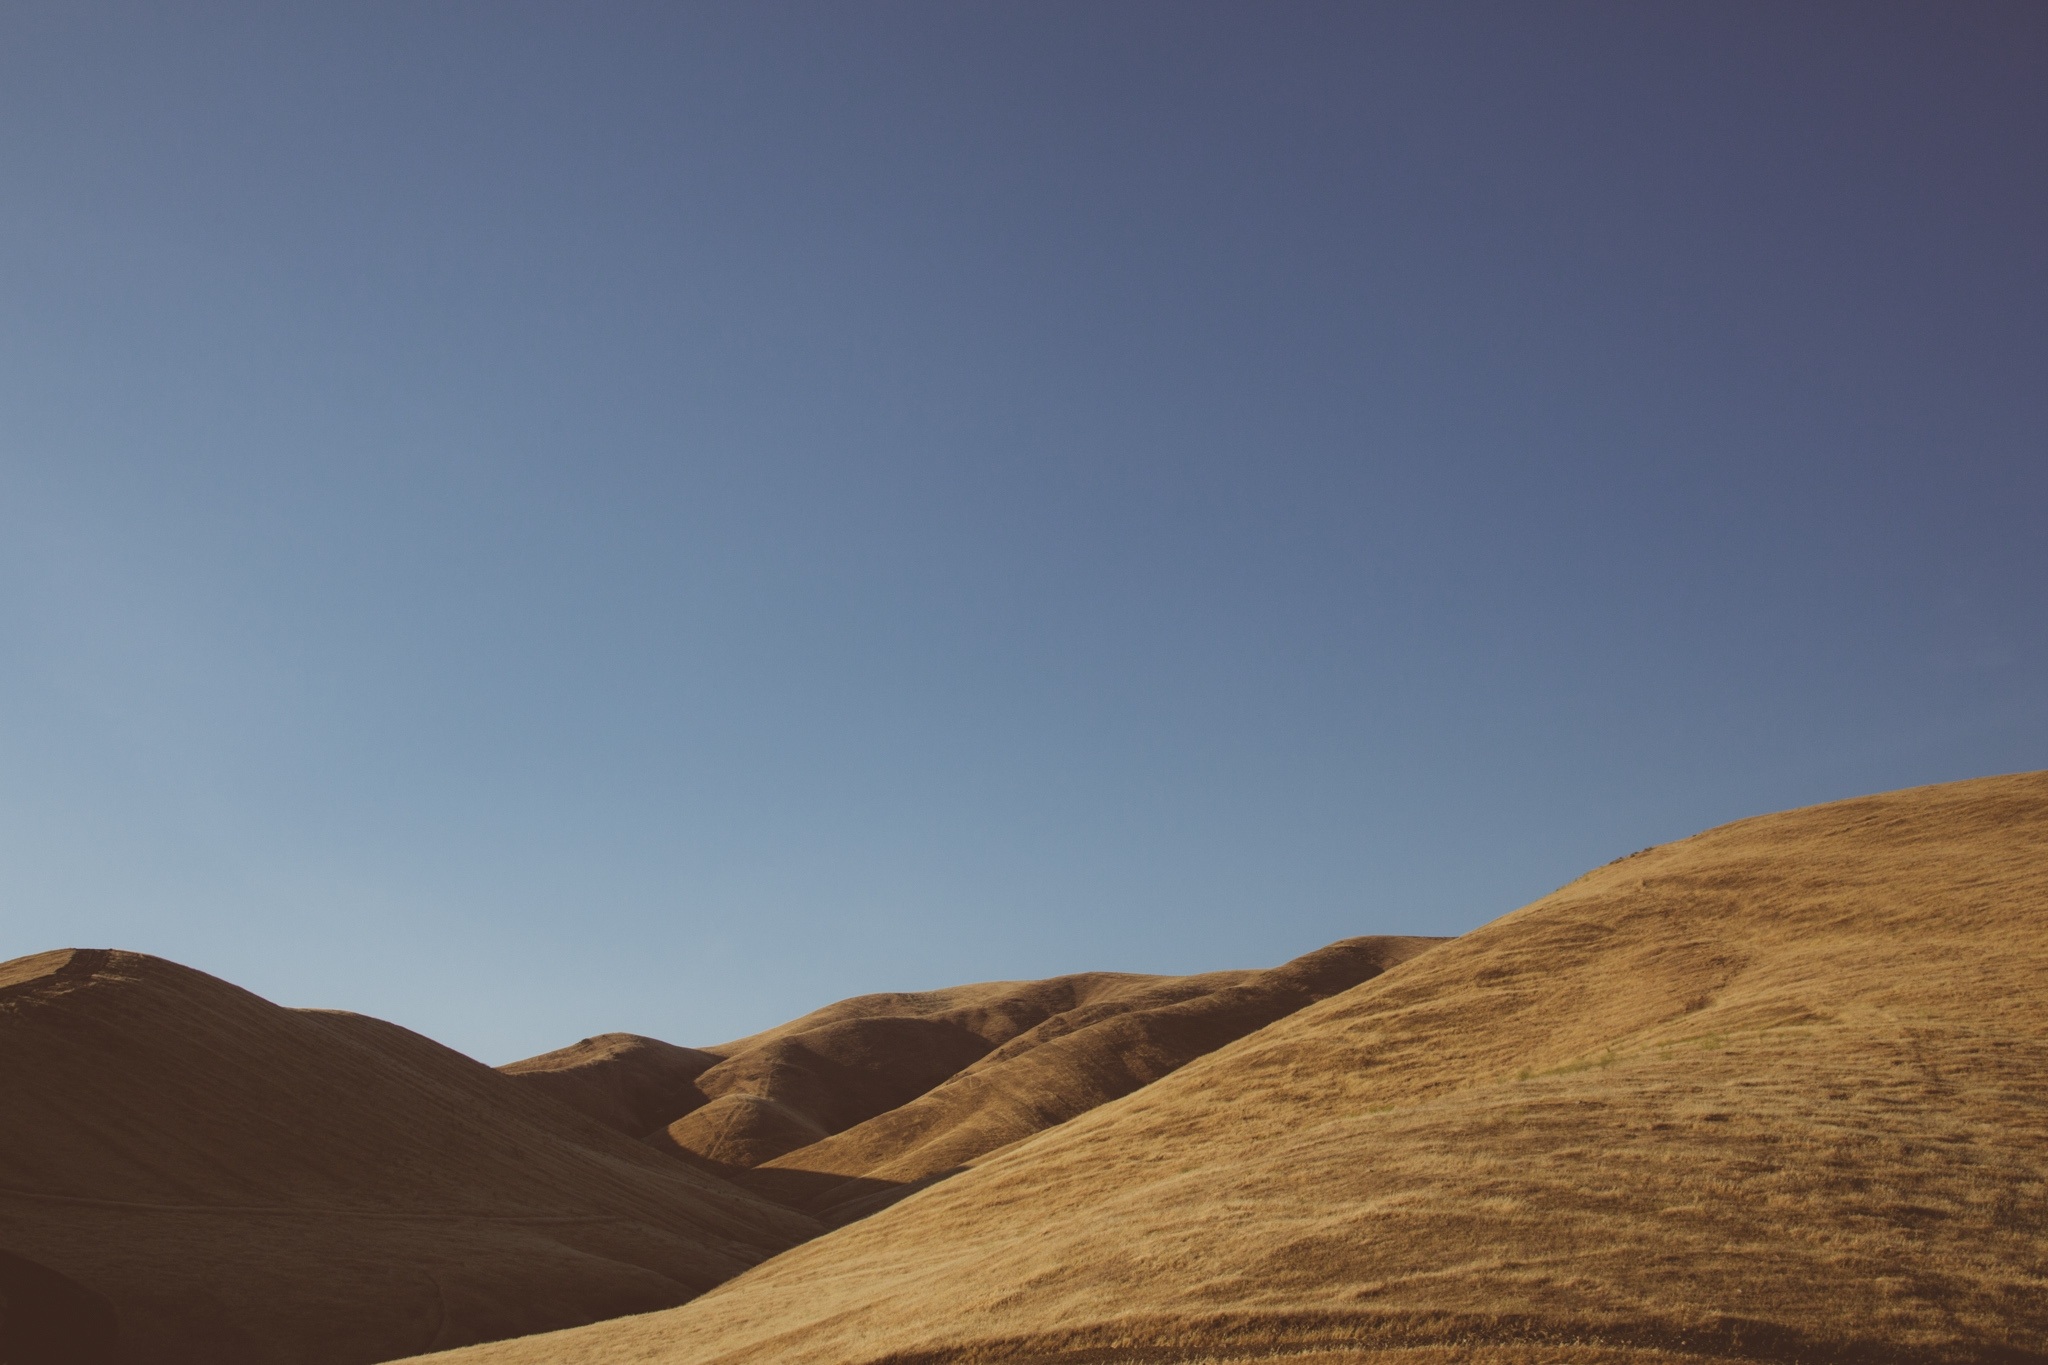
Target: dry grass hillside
(242,1183)
(630,1084)
(759,1097)
(851,1105)
(735,1105)
(1066,1065)
(1775,1092)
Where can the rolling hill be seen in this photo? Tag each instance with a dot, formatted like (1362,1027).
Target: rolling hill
(240,1183)
(1776,1092)
(848,1108)
(1059,1068)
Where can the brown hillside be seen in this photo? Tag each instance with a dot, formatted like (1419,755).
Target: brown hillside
(852,1105)
(741,1103)
(246,1183)
(630,1084)
(1062,1067)
(1775,1092)
(781,1091)
(791,1090)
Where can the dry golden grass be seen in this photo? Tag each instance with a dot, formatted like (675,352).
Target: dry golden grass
(818,1074)
(1775,1092)
(245,1183)
(851,1106)
(1068,1064)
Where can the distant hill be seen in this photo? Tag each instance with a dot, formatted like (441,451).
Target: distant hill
(239,1183)
(851,1106)
(630,1084)
(737,1104)
(1063,1066)
(1777,1092)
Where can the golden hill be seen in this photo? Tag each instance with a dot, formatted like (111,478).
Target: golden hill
(1100,1050)
(735,1105)
(237,1182)
(1777,1092)
(851,1106)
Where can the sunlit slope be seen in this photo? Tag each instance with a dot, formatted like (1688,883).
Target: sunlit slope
(737,1104)
(1064,1066)
(246,1183)
(1775,1092)
(849,1107)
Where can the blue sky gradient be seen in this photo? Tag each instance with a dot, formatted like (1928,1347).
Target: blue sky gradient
(531,520)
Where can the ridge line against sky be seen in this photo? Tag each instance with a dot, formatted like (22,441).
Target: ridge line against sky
(530,522)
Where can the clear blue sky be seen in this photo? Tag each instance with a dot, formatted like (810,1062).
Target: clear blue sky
(538,519)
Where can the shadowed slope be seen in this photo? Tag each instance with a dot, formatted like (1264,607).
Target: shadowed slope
(1775,1092)
(630,1084)
(792,1090)
(245,1183)
(1046,1075)
(46,1319)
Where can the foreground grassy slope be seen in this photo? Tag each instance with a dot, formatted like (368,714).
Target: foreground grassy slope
(242,1184)
(1775,1092)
